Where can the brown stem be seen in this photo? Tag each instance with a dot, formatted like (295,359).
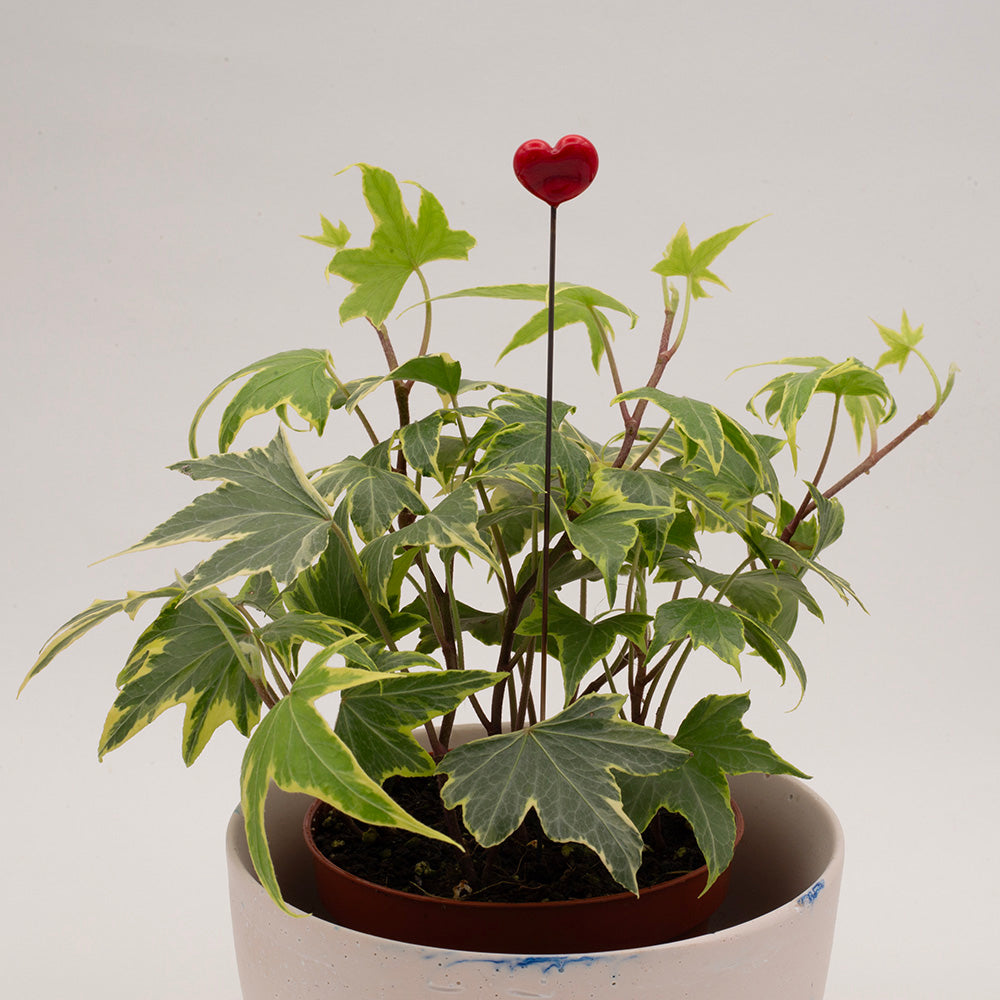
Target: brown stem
(861,469)
(634,422)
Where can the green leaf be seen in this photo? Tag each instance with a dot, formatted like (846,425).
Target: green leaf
(300,379)
(333,236)
(398,247)
(96,613)
(521,446)
(829,518)
(562,768)
(452,524)
(581,643)
(439,370)
(681,260)
(606,531)
(573,304)
(706,623)
(698,421)
(900,342)
(330,588)
(188,656)
(375,494)
(720,745)
(295,748)
(266,505)
(376,720)
(789,394)
(421,444)
(771,644)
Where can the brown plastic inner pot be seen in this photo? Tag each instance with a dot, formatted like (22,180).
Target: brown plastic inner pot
(666,912)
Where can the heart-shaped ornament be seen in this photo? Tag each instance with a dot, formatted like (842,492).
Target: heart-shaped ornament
(556,173)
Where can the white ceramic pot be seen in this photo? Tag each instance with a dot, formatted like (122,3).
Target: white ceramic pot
(770,940)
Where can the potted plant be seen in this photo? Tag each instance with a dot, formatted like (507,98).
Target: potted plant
(359,579)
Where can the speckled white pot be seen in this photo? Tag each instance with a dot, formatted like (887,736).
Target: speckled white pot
(770,940)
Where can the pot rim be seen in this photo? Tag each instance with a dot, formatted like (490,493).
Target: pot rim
(474,904)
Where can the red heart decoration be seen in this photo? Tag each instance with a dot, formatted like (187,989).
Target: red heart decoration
(556,173)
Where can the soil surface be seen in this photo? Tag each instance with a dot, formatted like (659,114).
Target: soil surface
(526,868)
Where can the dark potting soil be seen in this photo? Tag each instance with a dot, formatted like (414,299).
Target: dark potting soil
(526,868)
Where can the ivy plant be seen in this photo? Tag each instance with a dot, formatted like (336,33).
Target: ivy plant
(343,579)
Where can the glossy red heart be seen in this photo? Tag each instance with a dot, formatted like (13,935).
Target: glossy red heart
(556,173)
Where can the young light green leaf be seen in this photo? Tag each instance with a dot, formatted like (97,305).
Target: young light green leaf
(452,524)
(562,768)
(398,247)
(295,748)
(376,720)
(266,505)
(900,342)
(681,260)
(705,623)
(333,236)
(194,654)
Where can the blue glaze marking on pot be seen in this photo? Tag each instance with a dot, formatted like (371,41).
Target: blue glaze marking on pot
(544,963)
(812,895)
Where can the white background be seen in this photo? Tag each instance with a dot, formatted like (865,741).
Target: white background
(159,162)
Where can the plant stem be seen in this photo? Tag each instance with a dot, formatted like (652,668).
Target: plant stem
(862,468)
(425,340)
(359,577)
(664,354)
(662,710)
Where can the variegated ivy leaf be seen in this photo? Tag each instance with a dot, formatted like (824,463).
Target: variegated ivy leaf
(93,615)
(195,653)
(421,444)
(605,533)
(377,720)
(705,623)
(398,247)
(697,421)
(680,259)
(573,304)
(452,524)
(296,749)
(330,588)
(774,548)
(521,447)
(580,643)
(829,520)
(301,379)
(771,645)
(375,494)
(642,486)
(267,507)
(441,371)
(789,394)
(562,768)
(720,745)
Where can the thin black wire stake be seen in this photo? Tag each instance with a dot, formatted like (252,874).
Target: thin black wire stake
(547,502)
(554,174)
